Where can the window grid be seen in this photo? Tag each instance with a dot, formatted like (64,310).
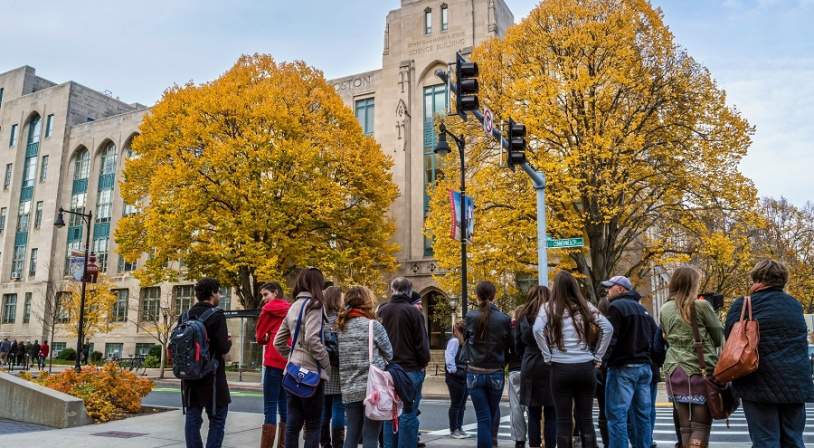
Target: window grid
(150,304)
(365,115)
(143,349)
(43,168)
(57,347)
(32,263)
(27,308)
(38,215)
(436,102)
(12,141)
(3,213)
(7,178)
(9,308)
(49,126)
(125,266)
(183,297)
(114,350)
(444,17)
(428,21)
(119,313)
(63,302)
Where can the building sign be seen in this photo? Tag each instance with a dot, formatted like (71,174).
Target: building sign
(455,40)
(455,209)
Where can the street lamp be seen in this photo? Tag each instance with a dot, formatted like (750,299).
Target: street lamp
(59,223)
(442,148)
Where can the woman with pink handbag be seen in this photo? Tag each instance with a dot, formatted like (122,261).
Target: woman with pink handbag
(363,348)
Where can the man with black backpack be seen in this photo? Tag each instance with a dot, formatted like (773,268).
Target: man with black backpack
(198,361)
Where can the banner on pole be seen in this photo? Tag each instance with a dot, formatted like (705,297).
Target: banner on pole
(455,211)
(76,265)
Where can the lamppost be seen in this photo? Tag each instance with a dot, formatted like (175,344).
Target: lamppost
(59,223)
(442,149)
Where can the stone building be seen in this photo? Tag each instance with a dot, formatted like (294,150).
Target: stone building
(64,145)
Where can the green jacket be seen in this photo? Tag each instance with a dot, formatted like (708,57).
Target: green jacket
(678,333)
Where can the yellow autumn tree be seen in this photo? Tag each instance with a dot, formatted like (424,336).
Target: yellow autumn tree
(635,138)
(99,300)
(254,175)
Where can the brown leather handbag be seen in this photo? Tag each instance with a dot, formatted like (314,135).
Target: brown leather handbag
(721,400)
(739,356)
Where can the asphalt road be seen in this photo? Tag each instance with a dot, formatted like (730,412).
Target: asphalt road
(434,418)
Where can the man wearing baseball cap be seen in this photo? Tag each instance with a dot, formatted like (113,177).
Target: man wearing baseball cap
(629,373)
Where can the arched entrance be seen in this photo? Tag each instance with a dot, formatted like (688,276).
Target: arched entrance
(439,317)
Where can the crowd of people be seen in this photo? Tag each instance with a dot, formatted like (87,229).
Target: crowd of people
(24,354)
(561,353)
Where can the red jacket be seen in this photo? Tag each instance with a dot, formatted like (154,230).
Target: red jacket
(271,316)
(44,349)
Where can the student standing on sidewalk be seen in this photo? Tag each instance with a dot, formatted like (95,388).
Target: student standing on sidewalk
(629,371)
(308,353)
(333,412)
(565,330)
(455,378)
(199,393)
(274,310)
(353,330)
(774,396)
(44,350)
(488,347)
(517,411)
(684,380)
(535,389)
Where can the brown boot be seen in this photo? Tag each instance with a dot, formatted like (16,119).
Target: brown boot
(267,437)
(338,437)
(700,435)
(281,435)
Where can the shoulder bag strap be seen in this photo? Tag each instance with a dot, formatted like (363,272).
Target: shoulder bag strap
(370,341)
(698,343)
(297,327)
(747,303)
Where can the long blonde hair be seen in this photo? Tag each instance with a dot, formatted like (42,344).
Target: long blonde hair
(683,287)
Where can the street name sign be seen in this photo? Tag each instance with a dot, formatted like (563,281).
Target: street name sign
(565,243)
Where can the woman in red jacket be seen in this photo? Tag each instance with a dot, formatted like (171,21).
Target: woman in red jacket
(275,308)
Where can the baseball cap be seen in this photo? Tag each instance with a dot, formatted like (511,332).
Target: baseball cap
(620,280)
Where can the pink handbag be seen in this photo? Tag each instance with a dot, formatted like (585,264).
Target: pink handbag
(381,402)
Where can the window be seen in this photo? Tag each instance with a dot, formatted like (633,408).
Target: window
(444,17)
(113,350)
(43,168)
(125,266)
(183,296)
(12,141)
(63,301)
(435,104)
(49,124)
(143,349)
(38,215)
(9,308)
(23,216)
(82,165)
(7,179)
(27,308)
(57,347)
(104,206)
(32,263)
(119,312)
(150,304)
(3,213)
(100,249)
(129,210)
(225,299)
(34,129)
(29,171)
(1,96)
(428,21)
(364,113)
(17,262)
(109,159)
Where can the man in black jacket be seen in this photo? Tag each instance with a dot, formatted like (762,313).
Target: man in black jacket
(199,393)
(411,350)
(629,372)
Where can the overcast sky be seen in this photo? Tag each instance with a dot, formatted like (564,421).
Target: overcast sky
(760,51)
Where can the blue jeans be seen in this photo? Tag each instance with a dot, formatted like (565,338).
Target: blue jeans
(408,422)
(217,426)
(654,388)
(485,390)
(274,397)
(772,425)
(333,417)
(361,427)
(628,388)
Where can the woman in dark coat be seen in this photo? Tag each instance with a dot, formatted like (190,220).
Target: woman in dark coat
(535,385)
(774,396)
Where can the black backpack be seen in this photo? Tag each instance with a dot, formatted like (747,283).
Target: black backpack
(189,345)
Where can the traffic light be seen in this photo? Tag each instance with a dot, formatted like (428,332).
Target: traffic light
(466,82)
(517,144)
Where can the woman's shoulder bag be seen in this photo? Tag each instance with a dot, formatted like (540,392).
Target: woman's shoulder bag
(739,356)
(721,400)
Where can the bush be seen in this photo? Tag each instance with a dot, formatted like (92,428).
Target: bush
(152,362)
(109,392)
(155,350)
(67,354)
(95,357)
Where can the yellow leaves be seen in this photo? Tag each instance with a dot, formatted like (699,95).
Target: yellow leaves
(99,300)
(255,174)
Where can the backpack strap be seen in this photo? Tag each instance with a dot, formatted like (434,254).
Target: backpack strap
(207,314)
(698,343)
(370,341)
(297,326)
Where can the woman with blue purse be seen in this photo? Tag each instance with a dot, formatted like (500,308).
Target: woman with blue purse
(308,362)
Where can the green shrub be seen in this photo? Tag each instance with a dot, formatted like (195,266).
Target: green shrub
(155,350)
(152,361)
(67,354)
(95,356)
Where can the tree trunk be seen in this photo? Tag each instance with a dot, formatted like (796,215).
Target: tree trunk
(163,360)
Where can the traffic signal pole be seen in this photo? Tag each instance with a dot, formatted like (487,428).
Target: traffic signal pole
(537,178)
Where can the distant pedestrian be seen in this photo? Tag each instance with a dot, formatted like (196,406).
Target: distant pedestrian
(685,381)
(629,373)
(535,388)
(34,354)
(12,355)
(774,396)
(210,393)
(5,347)
(517,411)
(573,336)
(305,414)
(332,433)
(488,347)
(407,332)
(455,379)
(43,355)
(353,330)
(274,310)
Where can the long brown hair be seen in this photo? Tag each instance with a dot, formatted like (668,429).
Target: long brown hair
(683,288)
(485,291)
(567,296)
(333,299)
(357,298)
(537,297)
(458,331)
(312,281)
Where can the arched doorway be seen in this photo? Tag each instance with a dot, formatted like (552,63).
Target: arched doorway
(439,317)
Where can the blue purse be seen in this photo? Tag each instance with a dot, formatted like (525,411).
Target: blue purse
(297,380)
